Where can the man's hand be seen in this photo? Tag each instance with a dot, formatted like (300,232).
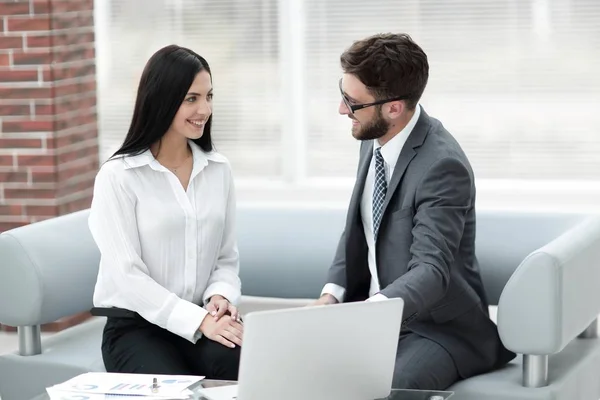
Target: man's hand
(219,305)
(324,300)
(226,330)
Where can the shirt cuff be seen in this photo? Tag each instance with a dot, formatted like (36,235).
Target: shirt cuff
(197,336)
(185,320)
(223,289)
(335,290)
(377,297)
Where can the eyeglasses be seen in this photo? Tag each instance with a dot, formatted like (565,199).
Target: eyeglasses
(355,107)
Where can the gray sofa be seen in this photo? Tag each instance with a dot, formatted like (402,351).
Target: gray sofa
(542,270)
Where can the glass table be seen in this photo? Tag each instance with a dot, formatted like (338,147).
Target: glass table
(396,394)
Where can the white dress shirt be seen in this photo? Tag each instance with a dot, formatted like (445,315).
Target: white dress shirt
(390,152)
(165,250)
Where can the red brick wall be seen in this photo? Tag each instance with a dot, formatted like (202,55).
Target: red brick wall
(48,127)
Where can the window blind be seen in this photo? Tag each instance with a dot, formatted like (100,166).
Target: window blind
(238,38)
(515,81)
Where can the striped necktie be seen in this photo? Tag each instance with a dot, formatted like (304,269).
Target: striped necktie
(379,191)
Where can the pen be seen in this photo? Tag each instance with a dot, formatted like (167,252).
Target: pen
(154,385)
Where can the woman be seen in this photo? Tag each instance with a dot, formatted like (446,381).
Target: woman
(162,216)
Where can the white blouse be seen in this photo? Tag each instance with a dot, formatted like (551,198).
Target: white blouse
(165,250)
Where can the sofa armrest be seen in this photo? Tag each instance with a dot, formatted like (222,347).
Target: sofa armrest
(553,295)
(48,270)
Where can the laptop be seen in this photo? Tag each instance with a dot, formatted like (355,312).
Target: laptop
(344,351)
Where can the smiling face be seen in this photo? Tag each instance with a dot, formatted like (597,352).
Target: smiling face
(367,123)
(195,110)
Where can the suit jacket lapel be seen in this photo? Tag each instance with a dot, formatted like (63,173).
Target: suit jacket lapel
(415,140)
(363,169)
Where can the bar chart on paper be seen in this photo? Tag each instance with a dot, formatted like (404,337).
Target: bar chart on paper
(98,385)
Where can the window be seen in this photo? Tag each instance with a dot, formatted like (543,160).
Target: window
(239,39)
(515,81)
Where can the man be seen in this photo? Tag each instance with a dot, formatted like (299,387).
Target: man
(410,228)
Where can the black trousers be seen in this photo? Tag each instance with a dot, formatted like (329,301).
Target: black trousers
(422,364)
(138,346)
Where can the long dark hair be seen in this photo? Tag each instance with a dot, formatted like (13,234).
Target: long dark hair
(165,81)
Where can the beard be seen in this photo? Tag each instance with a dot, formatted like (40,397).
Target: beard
(373,129)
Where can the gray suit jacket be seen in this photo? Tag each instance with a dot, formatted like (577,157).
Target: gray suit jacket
(426,248)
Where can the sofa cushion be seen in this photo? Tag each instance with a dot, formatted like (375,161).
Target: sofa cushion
(65,354)
(573,374)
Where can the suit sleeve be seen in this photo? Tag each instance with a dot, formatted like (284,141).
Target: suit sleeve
(336,277)
(443,198)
